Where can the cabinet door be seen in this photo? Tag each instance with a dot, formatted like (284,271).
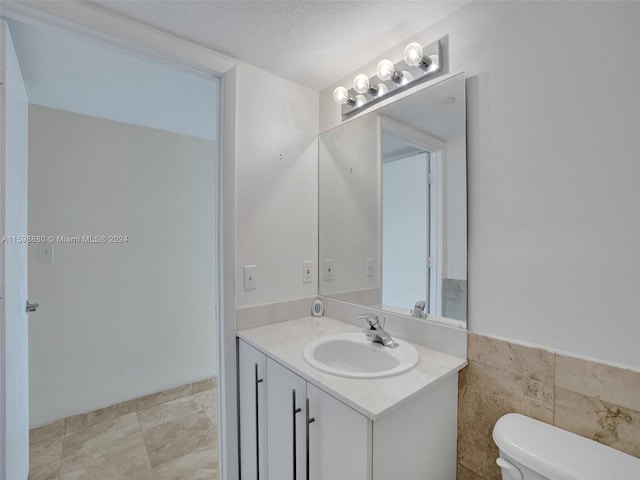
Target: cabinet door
(339,439)
(286,395)
(252,399)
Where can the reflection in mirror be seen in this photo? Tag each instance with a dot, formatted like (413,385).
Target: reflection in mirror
(393,206)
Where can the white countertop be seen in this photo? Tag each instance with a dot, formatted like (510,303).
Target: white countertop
(285,341)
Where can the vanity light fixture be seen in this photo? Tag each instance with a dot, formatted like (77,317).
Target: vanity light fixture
(419,64)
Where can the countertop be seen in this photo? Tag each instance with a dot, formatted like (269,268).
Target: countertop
(374,398)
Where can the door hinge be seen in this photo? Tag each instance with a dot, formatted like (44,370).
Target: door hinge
(429,262)
(429,178)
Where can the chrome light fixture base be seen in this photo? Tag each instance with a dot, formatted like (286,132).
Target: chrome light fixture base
(413,75)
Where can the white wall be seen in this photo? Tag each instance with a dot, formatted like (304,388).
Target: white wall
(456,224)
(84,76)
(117,321)
(349,169)
(554,204)
(276,186)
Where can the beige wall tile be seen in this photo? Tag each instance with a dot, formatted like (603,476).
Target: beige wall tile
(535,363)
(479,410)
(612,425)
(611,384)
(78,422)
(166,412)
(47,432)
(162,397)
(203,385)
(588,398)
(465,474)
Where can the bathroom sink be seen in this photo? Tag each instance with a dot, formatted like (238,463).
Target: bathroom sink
(352,355)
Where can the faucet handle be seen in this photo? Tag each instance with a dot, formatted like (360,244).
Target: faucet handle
(418,310)
(372,318)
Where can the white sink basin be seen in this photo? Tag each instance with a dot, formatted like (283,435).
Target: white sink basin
(352,355)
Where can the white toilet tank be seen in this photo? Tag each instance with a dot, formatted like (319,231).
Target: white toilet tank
(532,450)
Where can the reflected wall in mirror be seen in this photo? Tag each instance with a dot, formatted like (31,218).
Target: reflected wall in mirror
(393,206)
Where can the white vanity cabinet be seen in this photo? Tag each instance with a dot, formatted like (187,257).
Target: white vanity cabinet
(252,369)
(298,431)
(337,436)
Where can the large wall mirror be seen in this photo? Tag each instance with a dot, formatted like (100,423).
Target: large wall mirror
(393,206)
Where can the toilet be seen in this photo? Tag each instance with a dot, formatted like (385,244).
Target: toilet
(532,450)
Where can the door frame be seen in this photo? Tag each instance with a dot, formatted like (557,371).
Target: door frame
(437,150)
(109,29)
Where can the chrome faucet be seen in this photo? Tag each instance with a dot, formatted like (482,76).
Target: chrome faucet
(375,332)
(418,310)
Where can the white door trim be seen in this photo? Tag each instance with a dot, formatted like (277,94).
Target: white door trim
(97,24)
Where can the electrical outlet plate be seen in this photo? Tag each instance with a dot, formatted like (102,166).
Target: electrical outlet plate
(328,269)
(307,270)
(370,267)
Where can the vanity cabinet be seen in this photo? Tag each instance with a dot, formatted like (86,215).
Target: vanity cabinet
(252,369)
(331,439)
(291,429)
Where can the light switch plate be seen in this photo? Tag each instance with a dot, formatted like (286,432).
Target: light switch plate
(250,277)
(46,252)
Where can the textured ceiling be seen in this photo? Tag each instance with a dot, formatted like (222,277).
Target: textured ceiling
(313,43)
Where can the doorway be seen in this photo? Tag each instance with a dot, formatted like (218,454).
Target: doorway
(126,273)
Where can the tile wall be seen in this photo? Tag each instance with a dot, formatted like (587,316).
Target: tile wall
(591,399)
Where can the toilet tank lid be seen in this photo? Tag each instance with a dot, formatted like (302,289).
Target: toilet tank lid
(559,454)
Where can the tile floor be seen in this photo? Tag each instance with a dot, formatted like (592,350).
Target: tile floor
(173,440)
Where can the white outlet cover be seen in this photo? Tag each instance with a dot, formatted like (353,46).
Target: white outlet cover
(328,269)
(307,271)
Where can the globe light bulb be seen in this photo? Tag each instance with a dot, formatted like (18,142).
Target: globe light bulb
(413,54)
(385,70)
(341,95)
(361,83)
(360,100)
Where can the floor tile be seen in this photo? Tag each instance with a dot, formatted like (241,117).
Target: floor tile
(122,458)
(99,434)
(47,432)
(45,452)
(202,465)
(208,398)
(174,436)
(48,471)
(178,437)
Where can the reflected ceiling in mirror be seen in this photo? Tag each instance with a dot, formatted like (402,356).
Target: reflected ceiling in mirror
(393,206)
